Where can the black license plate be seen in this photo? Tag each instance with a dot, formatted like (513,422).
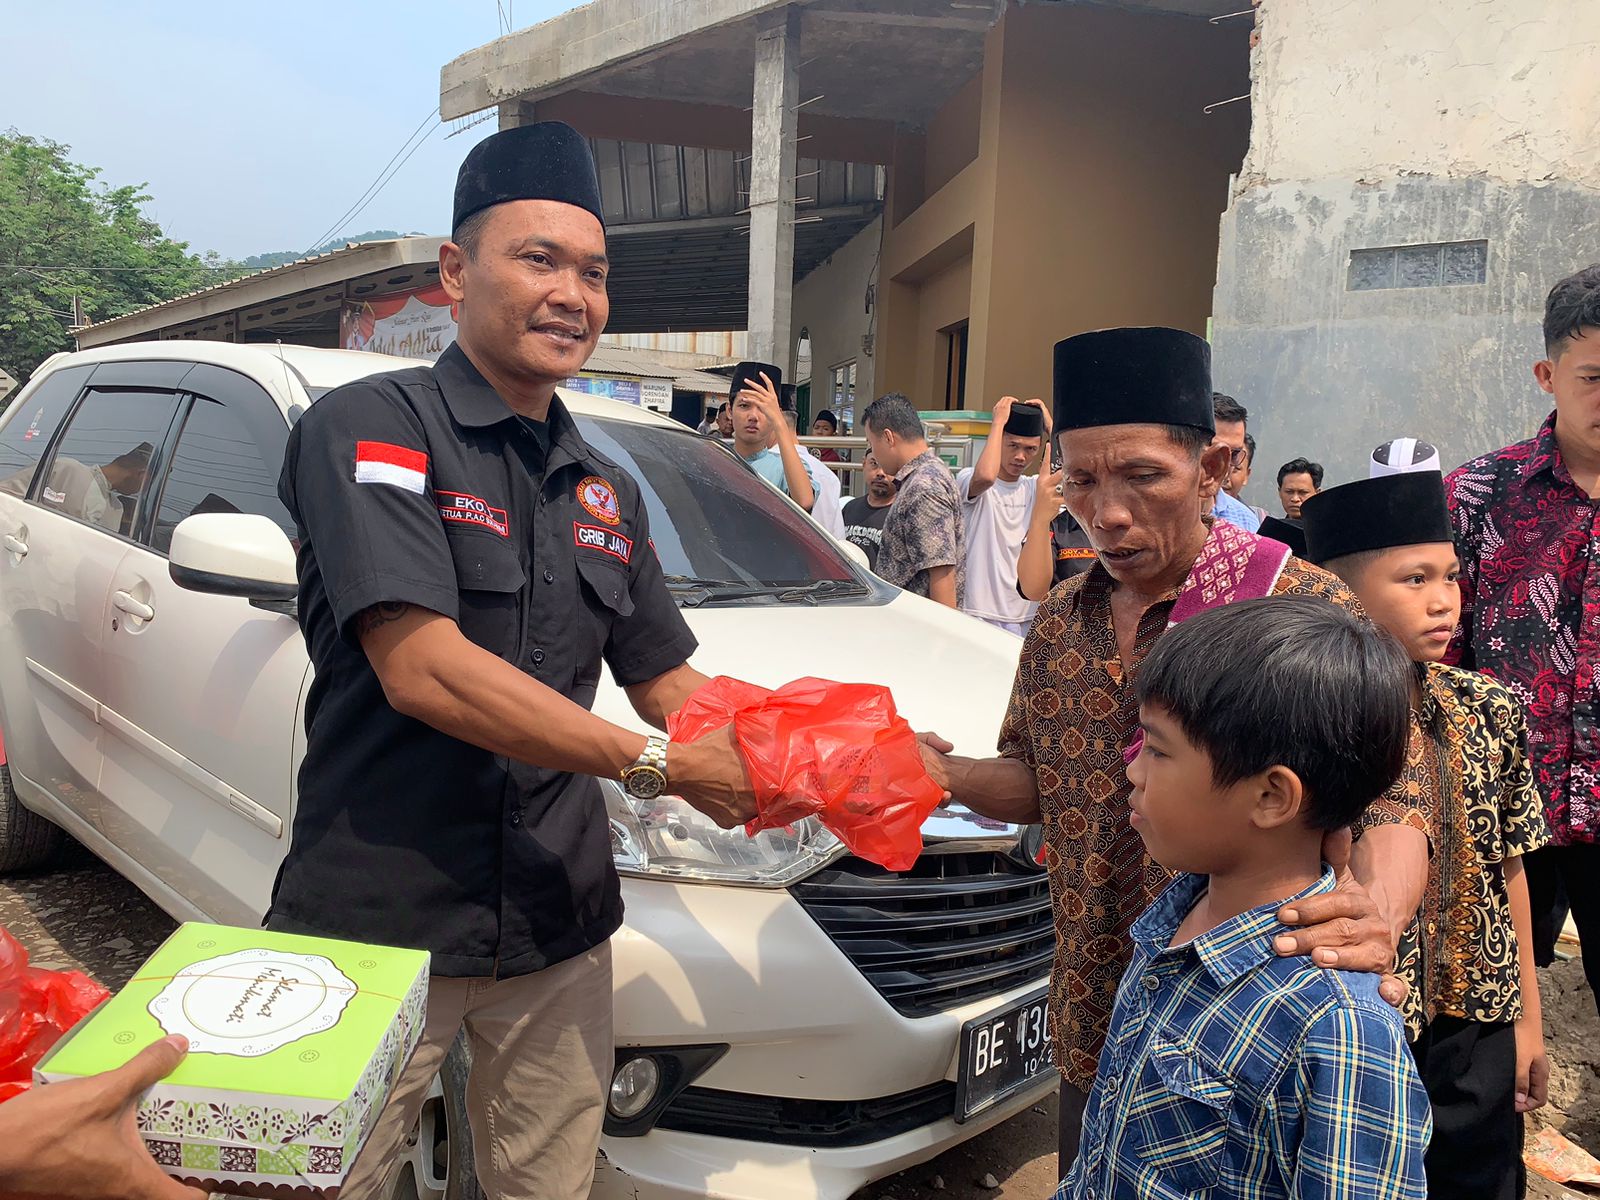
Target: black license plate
(1003,1053)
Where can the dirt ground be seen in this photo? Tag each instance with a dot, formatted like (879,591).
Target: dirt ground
(83,915)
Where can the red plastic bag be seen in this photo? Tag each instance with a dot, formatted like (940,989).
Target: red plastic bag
(836,751)
(36,1008)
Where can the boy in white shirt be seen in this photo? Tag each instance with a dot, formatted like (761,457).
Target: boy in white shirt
(998,495)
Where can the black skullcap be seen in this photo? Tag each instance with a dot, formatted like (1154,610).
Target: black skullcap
(1375,514)
(1026,420)
(1135,376)
(751,372)
(1290,532)
(549,160)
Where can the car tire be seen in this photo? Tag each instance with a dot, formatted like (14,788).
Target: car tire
(27,840)
(463,1175)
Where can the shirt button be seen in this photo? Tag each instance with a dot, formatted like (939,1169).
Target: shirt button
(549,575)
(516,817)
(1151,983)
(538,657)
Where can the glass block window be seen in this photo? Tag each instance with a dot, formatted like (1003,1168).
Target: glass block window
(1437,264)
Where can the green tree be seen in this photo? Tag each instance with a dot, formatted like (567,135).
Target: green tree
(66,237)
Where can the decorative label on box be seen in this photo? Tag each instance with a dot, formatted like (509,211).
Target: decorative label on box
(295,1044)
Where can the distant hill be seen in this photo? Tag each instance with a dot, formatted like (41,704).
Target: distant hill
(260,262)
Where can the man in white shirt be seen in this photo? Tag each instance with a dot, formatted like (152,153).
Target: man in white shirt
(998,496)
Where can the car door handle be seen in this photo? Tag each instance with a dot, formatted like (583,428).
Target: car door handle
(132,607)
(14,544)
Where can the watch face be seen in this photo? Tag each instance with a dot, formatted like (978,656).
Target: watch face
(644,783)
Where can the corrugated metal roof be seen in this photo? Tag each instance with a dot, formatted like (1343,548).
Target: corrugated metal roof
(628,360)
(253,277)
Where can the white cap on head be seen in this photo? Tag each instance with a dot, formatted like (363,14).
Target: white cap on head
(1401,456)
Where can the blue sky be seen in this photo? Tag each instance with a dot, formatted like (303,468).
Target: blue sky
(255,126)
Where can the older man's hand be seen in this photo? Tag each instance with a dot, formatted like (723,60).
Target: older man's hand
(1343,928)
(934,761)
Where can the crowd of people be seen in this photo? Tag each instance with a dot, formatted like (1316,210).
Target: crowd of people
(1312,813)
(1192,783)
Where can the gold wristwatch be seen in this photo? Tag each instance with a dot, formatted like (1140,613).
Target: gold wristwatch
(646,777)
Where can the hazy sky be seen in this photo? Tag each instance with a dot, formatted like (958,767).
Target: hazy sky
(254,126)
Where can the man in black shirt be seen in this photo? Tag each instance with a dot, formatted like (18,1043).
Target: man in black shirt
(864,516)
(467,562)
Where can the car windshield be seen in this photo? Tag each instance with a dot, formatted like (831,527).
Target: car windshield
(719,530)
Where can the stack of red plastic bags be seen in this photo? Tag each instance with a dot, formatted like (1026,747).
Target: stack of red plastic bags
(36,1008)
(836,751)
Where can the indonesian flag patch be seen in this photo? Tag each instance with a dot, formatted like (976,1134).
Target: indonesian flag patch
(379,462)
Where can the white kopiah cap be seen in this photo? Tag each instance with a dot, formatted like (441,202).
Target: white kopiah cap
(1401,456)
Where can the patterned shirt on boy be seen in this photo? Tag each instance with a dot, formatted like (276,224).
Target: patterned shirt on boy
(1072,712)
(1469,742)
(1233,1071)
(1529,540)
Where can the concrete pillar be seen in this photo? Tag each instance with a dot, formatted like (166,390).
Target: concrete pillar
(772,168)
(516,113)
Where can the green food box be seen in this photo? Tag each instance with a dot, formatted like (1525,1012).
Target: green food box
(294,1045)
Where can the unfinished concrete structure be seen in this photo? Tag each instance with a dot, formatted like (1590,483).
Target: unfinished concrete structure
(1420,172)
(1049,167)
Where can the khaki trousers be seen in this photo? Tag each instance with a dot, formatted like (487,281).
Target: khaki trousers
(541,1067)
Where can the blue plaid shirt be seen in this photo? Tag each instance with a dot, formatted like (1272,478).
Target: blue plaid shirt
(1232,1072)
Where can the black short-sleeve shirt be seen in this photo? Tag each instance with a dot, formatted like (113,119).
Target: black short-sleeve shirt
(422,487)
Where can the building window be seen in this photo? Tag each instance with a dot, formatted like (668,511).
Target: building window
(955,366)
(1436,264)
(842,395)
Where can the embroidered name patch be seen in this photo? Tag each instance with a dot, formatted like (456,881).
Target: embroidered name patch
(1075,552)
(599,500)
(470,510)
(607,541)
(379,462)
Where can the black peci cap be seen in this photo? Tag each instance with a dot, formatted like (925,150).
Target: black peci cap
(1133,376)
(549,160)
(1374,514)
(751,372)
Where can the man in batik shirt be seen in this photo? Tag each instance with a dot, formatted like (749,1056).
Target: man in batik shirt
(1528,531)
(1134,421)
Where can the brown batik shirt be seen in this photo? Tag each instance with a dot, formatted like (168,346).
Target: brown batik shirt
(1469,749)
(1073,711)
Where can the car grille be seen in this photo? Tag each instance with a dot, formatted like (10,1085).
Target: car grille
(955,928)
(807,1122)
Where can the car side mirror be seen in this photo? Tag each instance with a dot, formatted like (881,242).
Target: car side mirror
(235,554)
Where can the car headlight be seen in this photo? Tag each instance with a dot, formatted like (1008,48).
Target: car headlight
(670,837)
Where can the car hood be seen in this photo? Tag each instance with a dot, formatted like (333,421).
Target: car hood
(950,674)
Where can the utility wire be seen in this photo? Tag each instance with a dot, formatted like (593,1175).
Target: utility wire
(376,185)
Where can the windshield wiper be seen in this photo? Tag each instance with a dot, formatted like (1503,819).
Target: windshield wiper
(824,589)
(691,592)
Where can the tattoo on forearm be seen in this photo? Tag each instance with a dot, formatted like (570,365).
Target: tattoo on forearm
(372,618)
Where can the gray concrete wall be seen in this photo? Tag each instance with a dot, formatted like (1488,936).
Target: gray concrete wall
(1328,373)
(1388,123)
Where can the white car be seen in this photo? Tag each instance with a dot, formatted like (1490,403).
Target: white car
(791,1021)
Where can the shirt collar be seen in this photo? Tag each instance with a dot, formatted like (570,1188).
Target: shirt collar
(915,465)
(1545,454)
(1232,948)
(475,404)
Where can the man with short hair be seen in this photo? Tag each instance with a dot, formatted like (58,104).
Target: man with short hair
(864,516)
(998,495)
(1525,524)
(1299,479)
(761,436)
(924,534)
(1230,417)
(467,563)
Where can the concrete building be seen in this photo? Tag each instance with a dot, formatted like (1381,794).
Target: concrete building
(1420,173)
(1363,204)
(1047,167)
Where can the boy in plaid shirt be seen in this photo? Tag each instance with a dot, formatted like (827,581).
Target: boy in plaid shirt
(1228,1069)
